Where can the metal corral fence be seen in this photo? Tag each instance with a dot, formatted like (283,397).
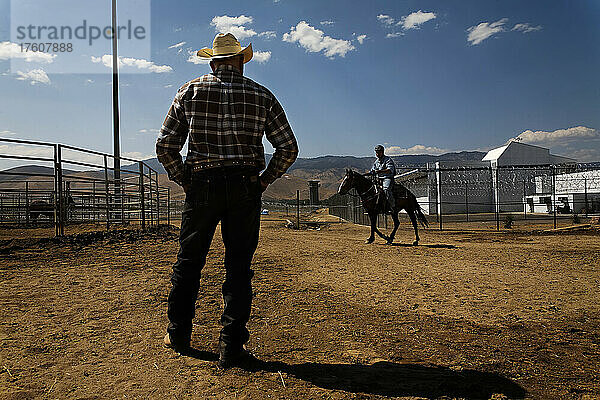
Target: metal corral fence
(494,196)
(63,184)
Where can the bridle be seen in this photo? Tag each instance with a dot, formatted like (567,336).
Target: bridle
(374,195)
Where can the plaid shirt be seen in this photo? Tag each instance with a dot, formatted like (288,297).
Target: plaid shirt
(225,115)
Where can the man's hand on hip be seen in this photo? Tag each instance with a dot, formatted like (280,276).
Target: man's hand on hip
(263,185)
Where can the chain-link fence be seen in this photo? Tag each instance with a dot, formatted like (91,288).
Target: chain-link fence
(495,196)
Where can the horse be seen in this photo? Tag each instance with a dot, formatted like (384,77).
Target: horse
(369,197)
(38,208)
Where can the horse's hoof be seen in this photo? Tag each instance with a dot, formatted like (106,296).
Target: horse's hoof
(416,243)
(369,241)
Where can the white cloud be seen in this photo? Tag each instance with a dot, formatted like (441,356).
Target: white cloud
(361,38)
(27,150)
(67,154)
(7,133)
(576,132)
(585,155)
(136,155)
(234,25)
(326,22)
(526,28)
(386,19)
(414,150)
(394,34)
(10,50)
(177,45)
(314,40)
(268,35)
(262,56)
(34,76)
(415,19)
(411,21)
(579,142)
(484,30)
(194,59)
(148,131)
(132,62)
(168,86)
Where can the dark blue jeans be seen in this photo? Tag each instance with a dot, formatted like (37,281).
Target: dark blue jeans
(232,196)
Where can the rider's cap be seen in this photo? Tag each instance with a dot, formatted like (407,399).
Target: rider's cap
(379,148)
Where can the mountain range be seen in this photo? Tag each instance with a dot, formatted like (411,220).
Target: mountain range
(328,170)
(324,163)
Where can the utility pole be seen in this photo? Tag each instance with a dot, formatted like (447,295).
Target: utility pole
(115,87)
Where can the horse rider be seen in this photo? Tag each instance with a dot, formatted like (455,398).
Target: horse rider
(384,169)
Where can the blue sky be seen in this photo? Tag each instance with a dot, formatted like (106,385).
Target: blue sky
(421,77)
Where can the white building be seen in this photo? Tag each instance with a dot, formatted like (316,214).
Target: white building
(522,154)
(501,181)
(576,192)
(508,193)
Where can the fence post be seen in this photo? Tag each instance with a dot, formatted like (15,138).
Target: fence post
(142,190)
(55,192)
(27,203)
(585,196)
(467,200)
(19,208)
(440,190)
(554,194)
(119,188)
(297,209)
(94,214)
(524,201)
(157,200)
(107,193)
(497,199)
(150,197)
(61,217)
(168,206)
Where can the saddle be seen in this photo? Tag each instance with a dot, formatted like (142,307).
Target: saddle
(382,204)
(398,190)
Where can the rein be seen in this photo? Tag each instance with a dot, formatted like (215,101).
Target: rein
(364,193)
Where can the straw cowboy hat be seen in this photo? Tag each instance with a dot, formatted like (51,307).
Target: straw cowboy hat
(225,45)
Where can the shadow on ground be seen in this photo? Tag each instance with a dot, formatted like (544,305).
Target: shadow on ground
(431,246)
(391,379)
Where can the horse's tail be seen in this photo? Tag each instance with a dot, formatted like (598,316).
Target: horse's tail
(421,217)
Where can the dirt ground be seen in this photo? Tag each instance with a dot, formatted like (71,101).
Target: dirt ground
(466,314)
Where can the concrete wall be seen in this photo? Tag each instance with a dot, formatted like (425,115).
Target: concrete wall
(578,182)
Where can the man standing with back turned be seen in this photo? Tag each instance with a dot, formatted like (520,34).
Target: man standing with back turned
(223,115)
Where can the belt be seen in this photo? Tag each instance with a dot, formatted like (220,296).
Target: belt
(221,164)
